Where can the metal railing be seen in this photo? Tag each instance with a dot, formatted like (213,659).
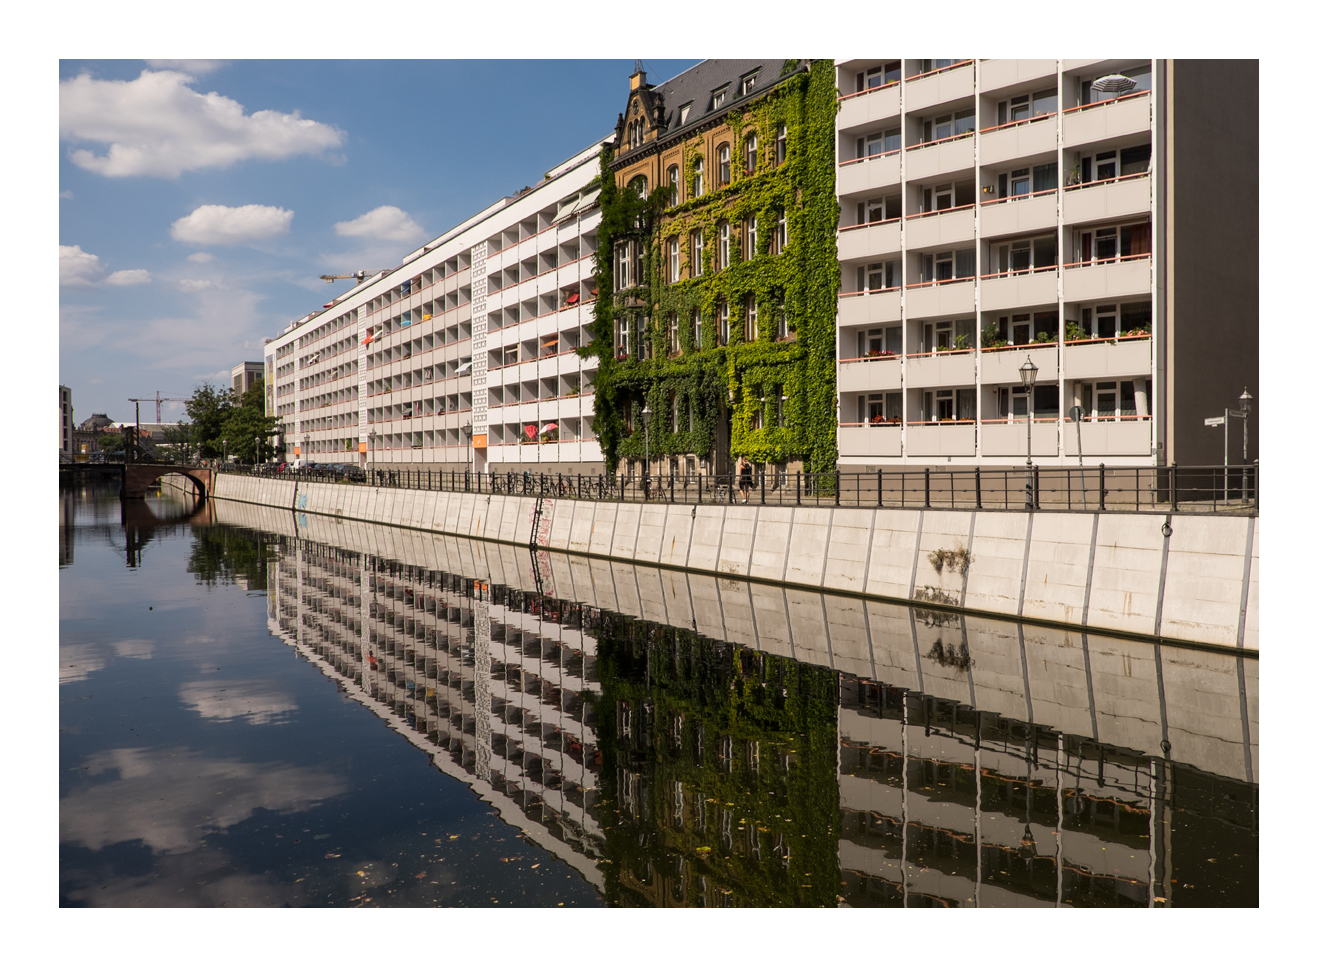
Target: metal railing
(1232,489)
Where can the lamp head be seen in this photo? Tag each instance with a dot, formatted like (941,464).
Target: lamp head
(646,414)
(1245,399)
(1029,372)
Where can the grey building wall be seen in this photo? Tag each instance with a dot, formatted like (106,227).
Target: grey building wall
(1214,253)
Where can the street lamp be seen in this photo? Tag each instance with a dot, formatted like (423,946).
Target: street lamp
(1245,400)
(370,447)
(226,449)
(1029,372)
(258,449)
(466,432)
(645,419)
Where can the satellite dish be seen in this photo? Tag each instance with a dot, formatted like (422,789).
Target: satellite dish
(1114,84)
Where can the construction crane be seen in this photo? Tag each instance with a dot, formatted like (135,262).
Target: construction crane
(361,275)
(158,399)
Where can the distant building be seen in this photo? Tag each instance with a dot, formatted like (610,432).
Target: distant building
(244,375)
(65,423)
(86,433)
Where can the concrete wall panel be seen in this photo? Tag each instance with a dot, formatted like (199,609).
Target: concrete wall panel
(810,536)
(769,554)
(738,532)
(892,553)
(848,549)
(1127,566)
(1059,566)
(994,580)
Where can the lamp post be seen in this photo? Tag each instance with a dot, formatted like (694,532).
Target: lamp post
(645,477)
(258,449)
(370,452)
(1245,401)
(306,451)
(226,449)
(466,432)
(1029,372)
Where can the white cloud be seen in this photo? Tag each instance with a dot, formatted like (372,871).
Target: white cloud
(79,268)
(388,223)
(128,277)
(202,257)
(194,67)
(195,285)
(222,225)
(157,125)
(257,701)
(66,193)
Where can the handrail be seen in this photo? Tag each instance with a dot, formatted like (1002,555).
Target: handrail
(1116,338)
(950,137)
(942,352)
(1110,100)
(1028,194)
(939,70)
(1114,258)
(917,285)
(881,221)
(1011,346)
(940,422)
(869,157)
(870,359)
(868,90)
(1106,181)
(890,423)
(1030,271)
(1011,124)
(1007,421)
(939,211)
(891,288)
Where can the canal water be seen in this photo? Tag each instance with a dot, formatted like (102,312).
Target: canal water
(257,709)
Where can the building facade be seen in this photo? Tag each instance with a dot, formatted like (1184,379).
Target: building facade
(466,355)
(1055,211)
(243,376)
(718,272)
(65,424)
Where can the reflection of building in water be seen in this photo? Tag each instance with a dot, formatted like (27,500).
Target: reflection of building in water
(944,805)
(720,771)
(490,681)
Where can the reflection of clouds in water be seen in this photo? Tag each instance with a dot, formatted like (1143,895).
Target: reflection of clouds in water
(201,878)
(77,660)
(170,798)
(256,700)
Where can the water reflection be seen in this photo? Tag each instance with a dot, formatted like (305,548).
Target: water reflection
(687,741)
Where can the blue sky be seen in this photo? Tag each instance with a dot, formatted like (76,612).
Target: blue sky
(200,200)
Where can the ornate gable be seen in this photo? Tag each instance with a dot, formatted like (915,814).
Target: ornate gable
(644,118)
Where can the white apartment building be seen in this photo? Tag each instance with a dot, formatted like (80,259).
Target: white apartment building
(994,211)
(464,355)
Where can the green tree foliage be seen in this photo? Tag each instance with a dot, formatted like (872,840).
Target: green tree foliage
(111,443)
(218,415)
(208,409)
(224,555)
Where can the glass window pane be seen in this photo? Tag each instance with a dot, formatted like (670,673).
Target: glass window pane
(1045,176)
(1135,160)
(1045,102)
(1045,252)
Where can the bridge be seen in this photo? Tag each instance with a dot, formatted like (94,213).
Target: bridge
(137,479)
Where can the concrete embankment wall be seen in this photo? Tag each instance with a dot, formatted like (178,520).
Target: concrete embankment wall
(1176,577)
(1127,693)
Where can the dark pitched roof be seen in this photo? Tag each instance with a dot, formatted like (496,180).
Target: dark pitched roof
(697,85)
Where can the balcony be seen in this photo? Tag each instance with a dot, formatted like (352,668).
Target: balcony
(869,440)
(866,107)
(1114,279)
(1003,366)
(1126,436)
(1018,139)
(950,368)
(1019,214)
(863,242)
(935,87)
(944,439)
(940,229)
(868,375)
(869,174)
(1103,358)
(866,308)
(1104,200)
(1114,118)
(950,297)
(1008,290)
(1007,438)
(934,159)
(997,74)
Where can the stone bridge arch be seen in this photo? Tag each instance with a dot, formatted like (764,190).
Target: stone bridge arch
(141,477)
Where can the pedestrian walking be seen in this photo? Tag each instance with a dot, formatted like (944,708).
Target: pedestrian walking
(745,479)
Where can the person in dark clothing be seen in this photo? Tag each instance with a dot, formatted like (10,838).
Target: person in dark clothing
(745,479)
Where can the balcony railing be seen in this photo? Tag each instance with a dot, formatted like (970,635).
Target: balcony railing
(1110,100)
(1018,122)
(868,90)
(1075,186)
(1023,197)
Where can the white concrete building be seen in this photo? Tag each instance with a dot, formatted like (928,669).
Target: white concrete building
(1055,210)
(464,355)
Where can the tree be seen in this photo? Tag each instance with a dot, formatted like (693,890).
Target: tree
(246,422)
(179,439)
(111,443)
(208,409)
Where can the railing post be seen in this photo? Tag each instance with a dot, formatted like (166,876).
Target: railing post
(879,487)
(700,486)
(1102,486)
(798,488)
(926,486)
(1035,474)
(762,488)
(837,488)
(1171,485)
(979,497)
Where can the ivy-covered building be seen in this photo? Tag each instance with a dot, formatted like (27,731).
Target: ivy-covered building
(718,271)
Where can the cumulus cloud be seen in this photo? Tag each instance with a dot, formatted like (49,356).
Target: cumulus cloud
(128,277)
(257,701)
(194,67)
(202,257)
(157,125)
(222,225)
(387,223)
(79,268)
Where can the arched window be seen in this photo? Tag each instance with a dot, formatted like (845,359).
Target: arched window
(674,260)
(752,152)
(697,253)
(698,181)
(675,183)
(637,185)
(724,245)
(724,165)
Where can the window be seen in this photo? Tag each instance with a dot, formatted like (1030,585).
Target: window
(724,245)
(1114,242)
(673,347)
(947,336)
(878,276)
(675,183)
(674,260)
(698,179)
(622,266)
(1025,106)
(1109,321)
(697,253)
(752,236)
(1106,165)
(720,96)
(1026,255)
(752,152)
(672,413)
(780,234)
(1140,75)
(878,210)
(683,113)
(949,125)
(622,336)
(949,405)
(880,142)
(879,408)
(723,328)
(780,324)
(724,164)
(748,84)
(1023,328)
(752,328)
(880,76)
(879,342)
(699,335)
(949,266)
(1112,400)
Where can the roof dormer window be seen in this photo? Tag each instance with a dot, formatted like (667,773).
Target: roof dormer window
(720,96)
(683,112)
(748,83)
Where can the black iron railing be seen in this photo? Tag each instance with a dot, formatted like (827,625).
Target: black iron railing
(1101,488)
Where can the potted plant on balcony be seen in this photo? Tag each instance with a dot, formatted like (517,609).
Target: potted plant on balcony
(1134,332)
(992,338)
(1075,332)
(1043,338)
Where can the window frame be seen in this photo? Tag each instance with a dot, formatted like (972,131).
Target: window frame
(751,320)
(675,183)
(697,253)
(724,250)
(752,152)
(724,155)
(724,322)
(674,259)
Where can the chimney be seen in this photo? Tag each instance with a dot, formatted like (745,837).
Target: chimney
(638,76)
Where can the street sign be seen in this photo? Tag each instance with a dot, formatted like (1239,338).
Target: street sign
(1239,413)
(1215,421)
